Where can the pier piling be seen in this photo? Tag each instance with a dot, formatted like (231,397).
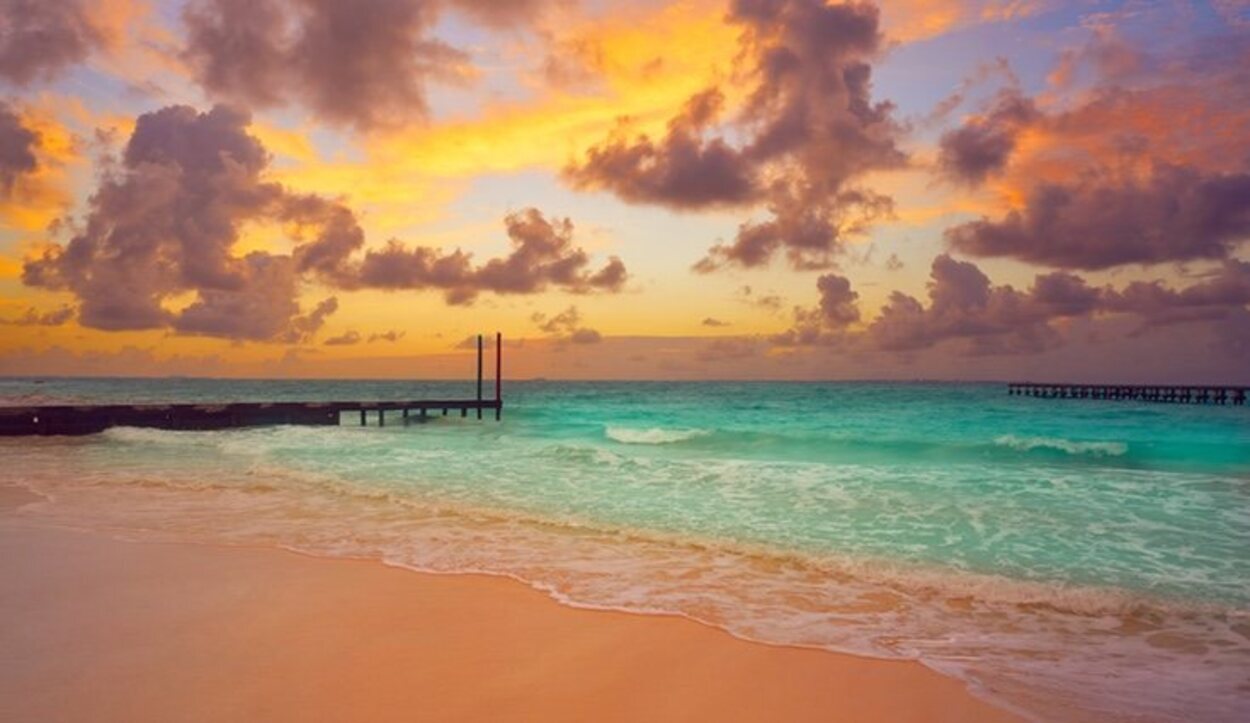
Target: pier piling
(498,376)
(1155,393)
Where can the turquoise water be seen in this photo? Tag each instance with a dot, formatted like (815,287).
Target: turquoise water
(1068,558)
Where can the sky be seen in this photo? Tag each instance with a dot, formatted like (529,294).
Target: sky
(658,189)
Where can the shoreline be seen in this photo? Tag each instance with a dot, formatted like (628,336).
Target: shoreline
(109,629)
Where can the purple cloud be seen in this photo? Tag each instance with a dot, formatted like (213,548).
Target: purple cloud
(982,146)
(348,338)
(964,307)
(566,326)
(363,64)
(681,170)
(1178,213)
(543,255)
(808,130)
(166,220)
(41,38)
(17,149)
(1118,177)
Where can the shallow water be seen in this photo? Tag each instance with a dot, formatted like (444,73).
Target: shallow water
(1052,553)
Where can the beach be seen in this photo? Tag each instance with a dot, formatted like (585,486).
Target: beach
(107,630)
(655,550)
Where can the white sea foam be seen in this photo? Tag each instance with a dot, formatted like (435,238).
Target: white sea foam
(146,435)
(652,435)
(1026,444)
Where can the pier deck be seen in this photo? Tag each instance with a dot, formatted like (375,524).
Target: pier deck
(1160,393)
(78,419)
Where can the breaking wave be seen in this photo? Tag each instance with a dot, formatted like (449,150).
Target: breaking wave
(652,435)
(1028,444)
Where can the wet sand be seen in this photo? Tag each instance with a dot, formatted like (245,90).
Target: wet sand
(98,629)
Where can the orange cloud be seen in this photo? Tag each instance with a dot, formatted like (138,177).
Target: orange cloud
(1128,132)
(42,195)
(912,20)
(1145,167)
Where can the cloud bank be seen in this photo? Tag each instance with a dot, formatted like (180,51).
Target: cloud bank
(965,307)
(166,220)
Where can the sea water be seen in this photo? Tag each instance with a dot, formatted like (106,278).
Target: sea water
(1070,559)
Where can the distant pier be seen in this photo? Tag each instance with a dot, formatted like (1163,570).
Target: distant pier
(78,419)
(1160,393)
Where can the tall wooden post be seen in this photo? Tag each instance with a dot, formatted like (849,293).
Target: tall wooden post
(498,375)
(479,376)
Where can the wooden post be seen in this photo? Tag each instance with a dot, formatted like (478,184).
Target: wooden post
(498,375)
(381,417)
(362,418)
(479,376)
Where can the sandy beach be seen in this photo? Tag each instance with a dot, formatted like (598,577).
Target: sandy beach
(106,630)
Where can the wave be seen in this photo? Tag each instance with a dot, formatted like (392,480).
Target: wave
(309,500)
(153,436)
(791,446)
(730,442)
(1028,444)
(652,435)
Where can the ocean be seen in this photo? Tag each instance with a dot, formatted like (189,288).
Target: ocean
(1073,560)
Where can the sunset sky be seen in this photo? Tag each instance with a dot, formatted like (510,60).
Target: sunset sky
(952,189)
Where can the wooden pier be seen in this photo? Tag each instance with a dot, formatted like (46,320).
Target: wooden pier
(1160,393)
(77,419)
